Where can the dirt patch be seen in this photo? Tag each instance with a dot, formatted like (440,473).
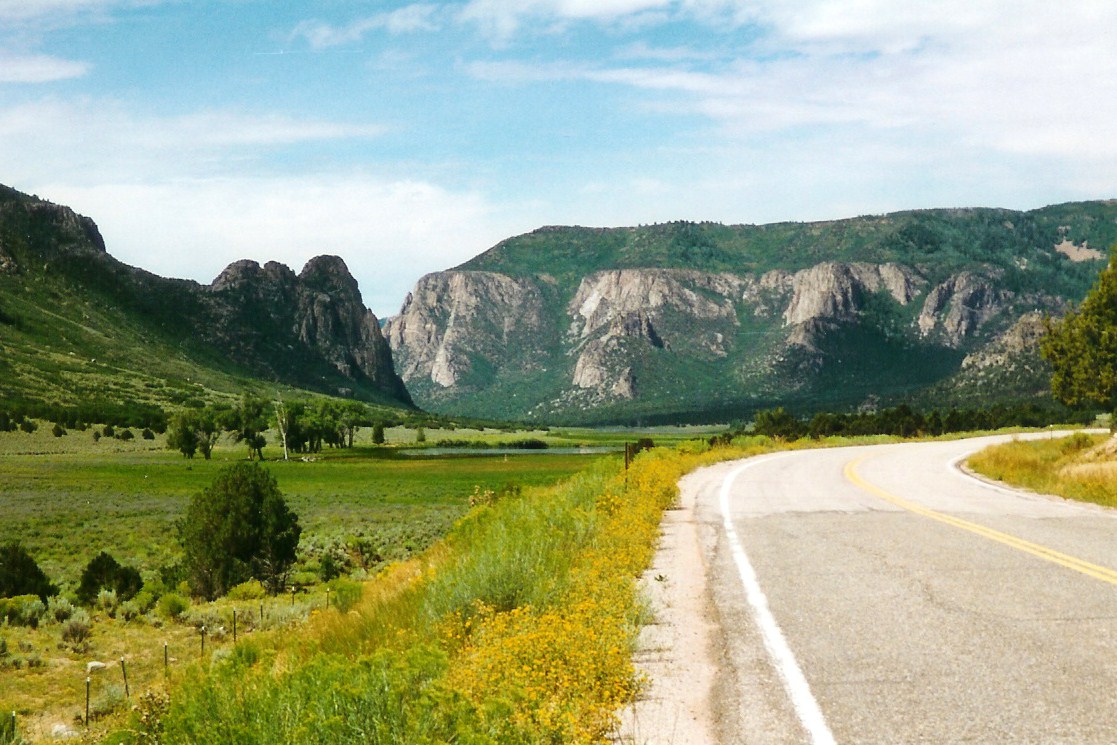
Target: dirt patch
(675,654)
(1078,253)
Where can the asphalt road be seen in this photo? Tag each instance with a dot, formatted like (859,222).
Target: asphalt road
(879,595)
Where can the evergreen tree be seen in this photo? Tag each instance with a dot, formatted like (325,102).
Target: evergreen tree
(1082,347)
(238,528)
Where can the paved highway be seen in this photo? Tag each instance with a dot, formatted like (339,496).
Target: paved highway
(879,595)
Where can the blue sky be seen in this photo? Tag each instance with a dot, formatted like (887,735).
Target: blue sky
(408,137)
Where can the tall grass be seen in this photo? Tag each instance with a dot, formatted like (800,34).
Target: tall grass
(1076,467)
(518,628)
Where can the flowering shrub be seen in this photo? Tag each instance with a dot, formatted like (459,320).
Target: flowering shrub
(519,628)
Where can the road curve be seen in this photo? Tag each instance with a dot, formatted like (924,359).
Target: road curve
(880,595)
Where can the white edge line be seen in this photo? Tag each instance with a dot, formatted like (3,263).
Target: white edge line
(798,690)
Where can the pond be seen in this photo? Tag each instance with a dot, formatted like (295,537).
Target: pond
(584,450)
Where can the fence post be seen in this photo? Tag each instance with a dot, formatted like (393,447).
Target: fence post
(203,640)
(88,682)
(124,670)
(234,625)
(166,662)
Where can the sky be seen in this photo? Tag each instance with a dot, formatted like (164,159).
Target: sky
(409,137)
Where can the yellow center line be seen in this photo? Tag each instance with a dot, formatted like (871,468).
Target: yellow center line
(1105,574)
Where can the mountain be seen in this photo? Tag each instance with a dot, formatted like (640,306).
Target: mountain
(695,322)
(77,325)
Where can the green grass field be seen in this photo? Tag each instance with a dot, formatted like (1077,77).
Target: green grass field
(68,498)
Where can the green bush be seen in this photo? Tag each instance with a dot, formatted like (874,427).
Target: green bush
(22,610)
(253,589)
(20,575)
(172,605)
(344,593)
(103,572)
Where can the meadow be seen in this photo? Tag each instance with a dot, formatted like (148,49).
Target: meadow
(68,498)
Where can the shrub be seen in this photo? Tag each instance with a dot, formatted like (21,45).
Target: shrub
(344,594)
(108,431)
(144,600)
(147,434)
(253,589)
(59,608)
(22,610)
(172,605)
(77,629)
(107,602)
(1075,443)
(28,426)
(20,575)
(238,528)
(103,572)
(58,430)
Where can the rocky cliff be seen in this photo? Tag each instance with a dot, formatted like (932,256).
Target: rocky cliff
(309,330)
(893,306)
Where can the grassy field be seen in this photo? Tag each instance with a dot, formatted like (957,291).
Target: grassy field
(68,498)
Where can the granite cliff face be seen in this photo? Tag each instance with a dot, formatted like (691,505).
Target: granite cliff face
(614,343)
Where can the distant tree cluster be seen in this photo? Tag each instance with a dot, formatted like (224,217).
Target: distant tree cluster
(80,416)
(303,427)
(904,421)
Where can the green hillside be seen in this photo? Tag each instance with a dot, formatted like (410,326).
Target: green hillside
(78,328)
(971,275)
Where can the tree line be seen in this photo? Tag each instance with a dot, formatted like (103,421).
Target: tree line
(303,426)
(904,421)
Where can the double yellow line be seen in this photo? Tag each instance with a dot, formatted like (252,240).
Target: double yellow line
(1104,574)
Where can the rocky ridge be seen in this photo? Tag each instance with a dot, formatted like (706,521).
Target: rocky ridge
(640,338)
(309,330)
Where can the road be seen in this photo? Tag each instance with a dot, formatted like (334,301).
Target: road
(879,595)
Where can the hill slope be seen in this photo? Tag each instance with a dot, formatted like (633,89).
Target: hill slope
(78,326)
(707,321)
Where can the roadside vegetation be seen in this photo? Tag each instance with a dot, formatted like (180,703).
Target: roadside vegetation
(1081,466)
(100,519)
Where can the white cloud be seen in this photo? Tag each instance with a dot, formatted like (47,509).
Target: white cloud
(38,68)
(96,140)
(59,13)
(500,19)
(409,19)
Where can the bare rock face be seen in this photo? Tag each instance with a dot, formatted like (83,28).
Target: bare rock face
(620,315)
(959,307)
(455,319)
(835,291)
(279,319)
(1021,339)
(604,296)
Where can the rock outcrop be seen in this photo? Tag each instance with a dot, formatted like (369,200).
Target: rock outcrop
(639,336)
(961,306)
(310,330)
(278,320)
(455,322)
